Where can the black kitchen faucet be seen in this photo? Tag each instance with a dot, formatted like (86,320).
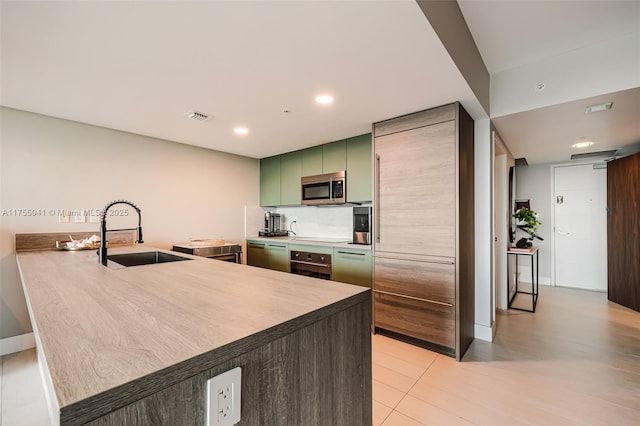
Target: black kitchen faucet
(102,251)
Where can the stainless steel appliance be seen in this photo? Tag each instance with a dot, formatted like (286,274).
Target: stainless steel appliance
(271,222)
(317,265)
(330,188)
(362,225)
(225,252)
(273,226)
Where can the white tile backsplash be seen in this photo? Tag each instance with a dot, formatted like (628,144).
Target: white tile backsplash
(312,221)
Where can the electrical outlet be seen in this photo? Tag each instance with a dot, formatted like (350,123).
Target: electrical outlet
(223,398)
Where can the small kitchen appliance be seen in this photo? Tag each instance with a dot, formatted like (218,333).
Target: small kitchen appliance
(362,225)
(273,226)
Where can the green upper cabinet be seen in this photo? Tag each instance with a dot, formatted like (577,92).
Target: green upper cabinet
(312,161)
(359,174)
(290,174)
(280,175)
(270,181)
(334,157)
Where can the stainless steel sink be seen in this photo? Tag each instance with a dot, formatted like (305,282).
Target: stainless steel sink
(145,258)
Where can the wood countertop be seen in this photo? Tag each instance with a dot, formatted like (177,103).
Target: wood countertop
(111,334)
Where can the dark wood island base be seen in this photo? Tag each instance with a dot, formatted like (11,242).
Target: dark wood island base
(317,375)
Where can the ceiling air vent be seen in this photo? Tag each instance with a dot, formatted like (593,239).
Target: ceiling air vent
(598,154)
(198,116)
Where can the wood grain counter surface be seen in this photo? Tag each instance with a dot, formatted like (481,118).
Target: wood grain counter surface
(110,335)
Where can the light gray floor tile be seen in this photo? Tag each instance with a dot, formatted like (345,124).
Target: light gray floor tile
(23,401)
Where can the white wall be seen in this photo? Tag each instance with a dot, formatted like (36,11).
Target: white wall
(484,307)
(534,183)
(47,163)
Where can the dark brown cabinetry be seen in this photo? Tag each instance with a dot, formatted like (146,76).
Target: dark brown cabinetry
(423,228)
(623,231)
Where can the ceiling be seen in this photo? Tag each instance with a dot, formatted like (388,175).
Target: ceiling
(516,34)
(142,66)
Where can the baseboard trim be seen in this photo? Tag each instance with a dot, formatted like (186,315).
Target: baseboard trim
(482,332)
(18,343)
(525,276)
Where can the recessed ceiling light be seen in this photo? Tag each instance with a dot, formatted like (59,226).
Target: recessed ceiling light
(324,99)
(240,130)
(598,108)
(585,144)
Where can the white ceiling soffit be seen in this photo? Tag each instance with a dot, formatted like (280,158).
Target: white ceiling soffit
(547,59)
(542,29)
(545,135)
(576,49)
(141,66)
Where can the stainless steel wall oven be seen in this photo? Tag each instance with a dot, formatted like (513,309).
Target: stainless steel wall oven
(317,265)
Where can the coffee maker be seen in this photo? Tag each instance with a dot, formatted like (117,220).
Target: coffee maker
(362,225)
(271,222)
(272,226)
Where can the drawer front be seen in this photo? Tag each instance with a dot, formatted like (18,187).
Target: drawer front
(424,280)
(431,322)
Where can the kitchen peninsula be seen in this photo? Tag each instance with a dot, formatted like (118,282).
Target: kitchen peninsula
(136,345)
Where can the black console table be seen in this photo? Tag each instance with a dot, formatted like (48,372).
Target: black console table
(532,252)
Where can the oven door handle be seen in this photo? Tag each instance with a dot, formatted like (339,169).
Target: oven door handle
(302,262)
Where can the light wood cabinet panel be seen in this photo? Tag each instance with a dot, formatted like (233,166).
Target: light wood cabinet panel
(430,322)
(424,280)
(290,174)
(270,181)
(312,161)
(359,169)
(415,120)
(423,204)
(334,156)
(416,191)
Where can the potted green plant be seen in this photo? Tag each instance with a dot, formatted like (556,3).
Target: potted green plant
(528,220)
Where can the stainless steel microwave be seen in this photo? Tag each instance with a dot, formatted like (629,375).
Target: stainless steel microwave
(330,188)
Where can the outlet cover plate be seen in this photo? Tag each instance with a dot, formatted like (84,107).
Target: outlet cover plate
(223,398)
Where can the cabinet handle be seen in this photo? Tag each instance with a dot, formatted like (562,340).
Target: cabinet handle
(253,245)
(414,298)
(376,217)
(276,245)
(440,262)
(348,252)
(302,262)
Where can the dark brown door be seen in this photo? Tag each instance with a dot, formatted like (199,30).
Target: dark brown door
(623,231)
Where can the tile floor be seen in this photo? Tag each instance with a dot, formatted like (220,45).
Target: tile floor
(575,361)
(22,401)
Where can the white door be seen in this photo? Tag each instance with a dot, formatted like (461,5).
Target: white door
(580,222)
